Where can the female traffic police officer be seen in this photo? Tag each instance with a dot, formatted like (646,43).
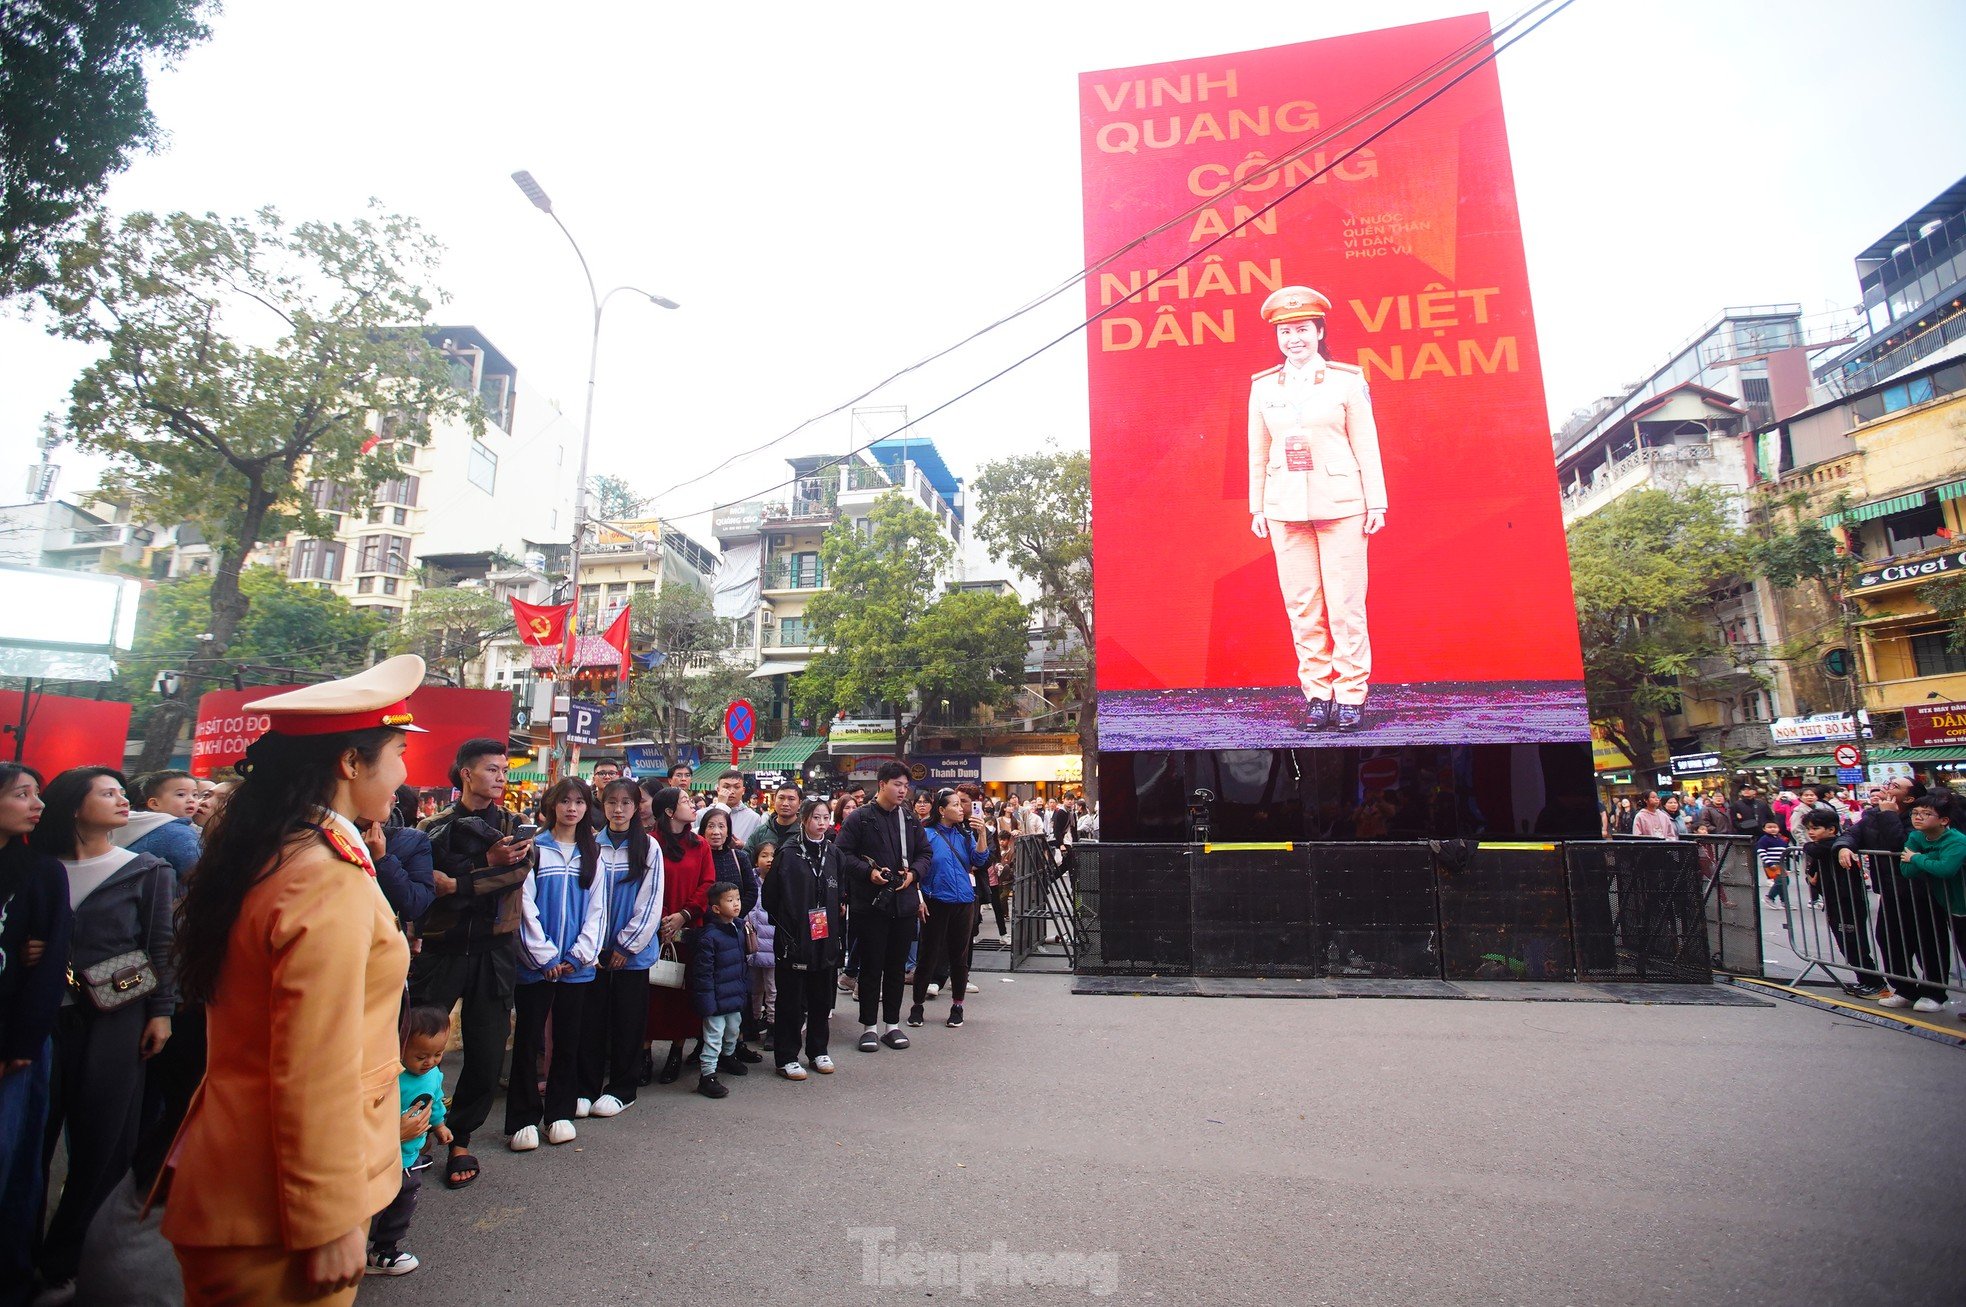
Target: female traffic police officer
(1317,490)
(292,1142)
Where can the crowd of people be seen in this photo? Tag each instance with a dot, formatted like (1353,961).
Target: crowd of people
(1889,868)
(617,935)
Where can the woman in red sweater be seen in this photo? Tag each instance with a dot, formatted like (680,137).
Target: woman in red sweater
(687,876)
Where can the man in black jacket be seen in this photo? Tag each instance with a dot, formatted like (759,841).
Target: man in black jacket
(884,854)
(1750,811)
(469,933)
(1910,920)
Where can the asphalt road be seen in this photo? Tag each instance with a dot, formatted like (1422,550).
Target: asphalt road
(1346,1152)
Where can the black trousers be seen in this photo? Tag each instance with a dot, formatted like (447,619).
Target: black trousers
(169,1081)
(945,948)
(1911,926)
(393,1221)
(612,1034)
(483,981)
(805,1000)
(883,942)
(562,1004)
(97,1095)
(1847,909)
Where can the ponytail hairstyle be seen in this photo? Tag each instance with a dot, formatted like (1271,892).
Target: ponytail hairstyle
(285,781)
(64,796)
(638,839)
(663,807)
(572,787)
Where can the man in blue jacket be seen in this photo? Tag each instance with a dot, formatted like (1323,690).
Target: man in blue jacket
(956,851)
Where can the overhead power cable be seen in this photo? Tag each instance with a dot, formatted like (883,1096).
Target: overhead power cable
(1551,9)
(1413,84)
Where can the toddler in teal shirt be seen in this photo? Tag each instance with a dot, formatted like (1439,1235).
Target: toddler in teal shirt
(420,1087)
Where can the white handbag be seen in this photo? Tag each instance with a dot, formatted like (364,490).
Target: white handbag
(666,971)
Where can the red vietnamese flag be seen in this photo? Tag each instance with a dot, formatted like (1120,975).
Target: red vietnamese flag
(542,625)
(617,635)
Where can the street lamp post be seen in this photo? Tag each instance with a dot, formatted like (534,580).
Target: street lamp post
(544,204)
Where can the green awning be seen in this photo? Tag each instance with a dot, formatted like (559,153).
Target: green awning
(1769,761)
(1951,490)
(1882,508)
(1922,753)
(789,754)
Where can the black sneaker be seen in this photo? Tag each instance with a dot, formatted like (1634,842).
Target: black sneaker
(955,1015)
(732,1066)
(709,1088)
(915,1015)
(870,1042)
(895,1039)
(748,1055)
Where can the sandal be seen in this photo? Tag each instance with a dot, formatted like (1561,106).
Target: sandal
(455,1171)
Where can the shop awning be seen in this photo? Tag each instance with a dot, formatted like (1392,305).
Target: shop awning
(1951,490)
(1922,753)
(777,668)
(789,754)
(1882,508)
(1769,761)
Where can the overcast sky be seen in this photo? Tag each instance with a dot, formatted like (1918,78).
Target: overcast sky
(832,192)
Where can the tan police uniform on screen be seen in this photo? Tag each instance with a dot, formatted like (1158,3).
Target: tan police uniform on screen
(293,1139)
(1314,477)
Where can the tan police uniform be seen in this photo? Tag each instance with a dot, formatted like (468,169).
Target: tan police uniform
(293,1140)
(1314,473)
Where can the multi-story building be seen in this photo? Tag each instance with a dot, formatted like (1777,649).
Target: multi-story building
(1914,288)
(497,494)
(778,542)
(88,537)
(634,559)
(1688,424)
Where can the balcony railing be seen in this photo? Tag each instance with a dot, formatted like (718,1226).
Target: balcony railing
(860,476)
(784,575)
(790,637)
(1634,467)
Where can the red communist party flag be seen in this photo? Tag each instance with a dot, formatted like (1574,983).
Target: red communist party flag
(617,636)
(543,625)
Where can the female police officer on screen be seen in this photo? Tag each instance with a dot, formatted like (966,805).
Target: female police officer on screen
(292,1142)
(1316,491)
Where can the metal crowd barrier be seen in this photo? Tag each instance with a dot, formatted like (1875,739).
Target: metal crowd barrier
(1875,926)
(1045,914)
(1453,910)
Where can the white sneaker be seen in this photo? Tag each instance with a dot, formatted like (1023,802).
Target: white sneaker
(608,1105)
(1894,1000)
(560,1132)
(583,1108)
(933,990)
(526,1140)
(792,1071)
(823,1065)
(396,1263)
(971,987)
(1928,1005)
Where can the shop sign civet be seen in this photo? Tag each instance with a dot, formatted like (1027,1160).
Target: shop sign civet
(1912,570)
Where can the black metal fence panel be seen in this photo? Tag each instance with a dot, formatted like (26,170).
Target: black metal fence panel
(1731,887)
(1505,915)
(1253,912)
(1377,911)
(1137,908)
(1637,911)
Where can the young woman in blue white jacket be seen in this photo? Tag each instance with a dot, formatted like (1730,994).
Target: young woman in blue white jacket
(563,912)
(612,1033)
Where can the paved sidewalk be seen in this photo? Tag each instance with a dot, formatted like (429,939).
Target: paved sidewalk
(1350,1152)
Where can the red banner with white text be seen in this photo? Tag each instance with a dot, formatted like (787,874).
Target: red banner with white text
(450,716)
(1378,526)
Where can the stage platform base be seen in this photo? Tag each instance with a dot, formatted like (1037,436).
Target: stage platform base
(1675,995)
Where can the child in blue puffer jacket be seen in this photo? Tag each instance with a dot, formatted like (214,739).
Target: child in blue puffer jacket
(719,985)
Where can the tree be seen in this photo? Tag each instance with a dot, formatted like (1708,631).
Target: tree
(891,640)
(882,582)
(451,626)
(683,696)
(73,110)
(1037,519)
(1645,569)
(299,627)
(1947,595)
(611,498)
(236,357)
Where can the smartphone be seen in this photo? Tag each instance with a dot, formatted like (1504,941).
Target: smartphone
(524,831)
(417,1104)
